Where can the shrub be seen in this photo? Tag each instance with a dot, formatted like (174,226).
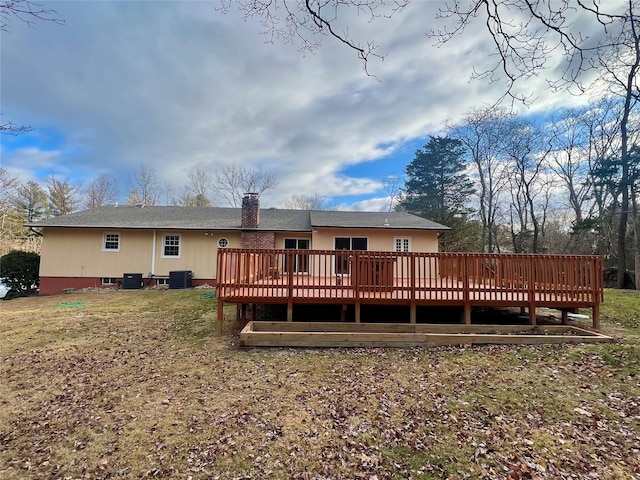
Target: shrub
(21,270)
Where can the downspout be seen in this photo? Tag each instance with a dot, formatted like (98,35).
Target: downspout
(153,255)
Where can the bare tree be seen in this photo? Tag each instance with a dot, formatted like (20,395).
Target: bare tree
(568,159)
(392,184)
(200,183)
(621,64)
(301,201)
(102,191)
(146,185)
(529,35)
(526,150)
(11,128)
(484,133)
(8,185)
(302,23)
(26,11)
(233,181)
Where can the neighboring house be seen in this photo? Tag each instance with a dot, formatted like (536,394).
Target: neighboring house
(97,247)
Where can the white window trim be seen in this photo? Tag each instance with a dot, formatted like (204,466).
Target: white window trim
(109,280)
(104,242)
(395,241)
(164,244)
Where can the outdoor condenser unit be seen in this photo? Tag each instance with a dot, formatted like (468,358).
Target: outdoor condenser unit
(180,279)
(132,281)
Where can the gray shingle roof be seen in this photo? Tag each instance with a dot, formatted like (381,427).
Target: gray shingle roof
(216,218)
(392,220)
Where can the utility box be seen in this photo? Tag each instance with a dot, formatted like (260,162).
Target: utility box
(180,279)
(132,281)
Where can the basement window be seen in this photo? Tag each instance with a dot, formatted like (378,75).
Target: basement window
(111,242)
(171,246)
(162,281)
(109,281)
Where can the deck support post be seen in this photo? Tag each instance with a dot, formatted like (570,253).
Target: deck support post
(595,314)
(290,310)
(241,312)
(412,312)
(466,313)
(343,313)
(532,315)
(357,312)
(220,317)
(565,317)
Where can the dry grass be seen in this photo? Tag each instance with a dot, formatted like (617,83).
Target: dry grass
(135,384)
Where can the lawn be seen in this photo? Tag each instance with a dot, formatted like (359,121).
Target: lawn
(136,384)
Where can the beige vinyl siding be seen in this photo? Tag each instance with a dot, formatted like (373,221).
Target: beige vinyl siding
(378,239)
(78,252)
(198,252)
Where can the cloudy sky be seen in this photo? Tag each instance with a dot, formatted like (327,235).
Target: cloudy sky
(180,86)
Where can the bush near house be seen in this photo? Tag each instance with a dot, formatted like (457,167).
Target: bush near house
(21,270)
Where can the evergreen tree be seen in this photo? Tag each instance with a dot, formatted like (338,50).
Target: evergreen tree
(63,198)
(30,200)
(438,188)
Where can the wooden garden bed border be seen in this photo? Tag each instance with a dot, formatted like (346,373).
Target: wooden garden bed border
(331,334)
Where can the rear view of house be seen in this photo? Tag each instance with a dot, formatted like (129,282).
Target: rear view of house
(100,247)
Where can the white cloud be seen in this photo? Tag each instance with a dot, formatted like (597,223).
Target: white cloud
(178,85)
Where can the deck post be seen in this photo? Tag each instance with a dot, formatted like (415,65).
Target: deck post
(290,284)
(412,312)
(220,317)
(595,313)
(565,316)
(466,294)
(466,313)
(357,311)
(532,292)
(290,310)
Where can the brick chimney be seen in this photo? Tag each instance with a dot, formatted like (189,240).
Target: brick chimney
(250,211)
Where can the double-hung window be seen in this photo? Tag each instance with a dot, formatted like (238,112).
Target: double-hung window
(171,246)
(111,242)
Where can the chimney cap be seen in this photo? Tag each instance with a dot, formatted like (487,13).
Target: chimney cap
(251,195)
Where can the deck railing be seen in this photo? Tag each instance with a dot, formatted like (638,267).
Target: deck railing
(262,275)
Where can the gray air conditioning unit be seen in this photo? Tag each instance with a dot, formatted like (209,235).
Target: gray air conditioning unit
(180,279)
(132,281)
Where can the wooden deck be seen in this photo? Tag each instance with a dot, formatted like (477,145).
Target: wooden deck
(412,279)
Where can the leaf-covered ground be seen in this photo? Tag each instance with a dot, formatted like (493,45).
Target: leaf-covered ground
(135,385)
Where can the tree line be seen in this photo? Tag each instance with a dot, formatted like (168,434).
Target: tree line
(507,183)
(30,201)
